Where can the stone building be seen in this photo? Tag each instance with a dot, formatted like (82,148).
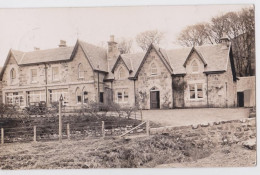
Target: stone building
(246,95)
(201,76)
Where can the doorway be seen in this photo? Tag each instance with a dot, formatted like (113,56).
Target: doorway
(155,99)
(240,99)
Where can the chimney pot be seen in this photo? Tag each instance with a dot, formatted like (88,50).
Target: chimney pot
(62,43)
(112,38)
(36,48)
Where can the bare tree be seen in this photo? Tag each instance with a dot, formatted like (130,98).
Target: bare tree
(125,45)
(195,35)
(240,28)
(145,39)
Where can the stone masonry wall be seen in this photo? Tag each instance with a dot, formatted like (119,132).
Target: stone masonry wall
(162,81)
(118,84)
(223,132)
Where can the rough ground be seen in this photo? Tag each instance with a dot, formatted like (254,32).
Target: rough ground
(184,117)
(226,156)
(141,152)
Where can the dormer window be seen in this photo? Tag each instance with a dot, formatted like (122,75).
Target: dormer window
(13,75)
(80,71)
(153,69)
(121,74)
(195,67)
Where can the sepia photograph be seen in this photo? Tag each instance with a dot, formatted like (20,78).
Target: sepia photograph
(170,86)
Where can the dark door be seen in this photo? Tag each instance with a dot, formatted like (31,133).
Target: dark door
(240,99)
(155,99)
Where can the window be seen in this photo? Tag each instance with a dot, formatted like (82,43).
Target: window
(80,71)
(153,69)
(55,73)
(85,97)
(195,67)
(36,96)
(78,96)
(122,96)
(196,91)
(13,75)
(56,93)
(121,73)
(15,98)
(33,75)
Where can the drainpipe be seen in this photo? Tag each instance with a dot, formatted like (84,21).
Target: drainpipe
(226,95)
(207,90)
(46,91)
(112,91)
(134,93)
(98,85)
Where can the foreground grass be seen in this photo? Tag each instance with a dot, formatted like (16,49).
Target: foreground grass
(99,153)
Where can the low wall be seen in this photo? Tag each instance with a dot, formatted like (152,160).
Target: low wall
(224,132)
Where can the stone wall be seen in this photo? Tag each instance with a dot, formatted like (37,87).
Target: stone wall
(162,81)
(120,84)
(220,132)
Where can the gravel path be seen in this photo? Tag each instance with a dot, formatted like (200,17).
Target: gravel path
(183,117)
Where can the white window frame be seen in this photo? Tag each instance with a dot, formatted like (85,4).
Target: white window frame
(57,93)
(56,78)
(121,70)
(196,91)
(34,81)
(80,71)
(124,92)
(12,79)
(13,97)
(32,95)
(192,65)
(152,68)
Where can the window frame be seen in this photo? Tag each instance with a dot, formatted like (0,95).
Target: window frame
(196,91)
(78,94)
(120,71)
(31,72)
(124,95)
(152,68)
(12,75)
(58,73)
(81,72)
(192,67)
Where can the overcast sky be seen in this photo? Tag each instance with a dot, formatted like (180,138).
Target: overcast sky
(24,29)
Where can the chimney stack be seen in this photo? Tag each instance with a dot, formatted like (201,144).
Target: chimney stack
(36,48)
(62,43)
(224,39)
(112,52)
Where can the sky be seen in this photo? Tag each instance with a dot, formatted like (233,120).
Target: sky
(26,28)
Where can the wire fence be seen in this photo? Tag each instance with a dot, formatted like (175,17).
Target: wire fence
(74,131)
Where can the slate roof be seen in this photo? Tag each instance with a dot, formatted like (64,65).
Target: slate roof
(42,56)
(97,56)
(216,57)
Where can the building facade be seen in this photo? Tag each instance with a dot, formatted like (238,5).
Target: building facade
(201,76)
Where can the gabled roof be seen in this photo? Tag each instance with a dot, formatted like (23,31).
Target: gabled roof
(160,54)
(215,57)
(96,55)
(199,54)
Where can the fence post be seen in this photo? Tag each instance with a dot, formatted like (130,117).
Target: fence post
(34,133)
(103,129)
(2,135)
(68,130)
(141,114)
(60,122)
(148,128)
